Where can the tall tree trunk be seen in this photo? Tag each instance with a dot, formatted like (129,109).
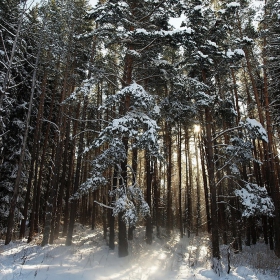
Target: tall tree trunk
(156,197)
(70,179)
(179,154)
(221,208)
(149,225)
(235,96)
(34,157)
(123,244)
(212,184)
(189,207)
(57,185)
(169,214)
(211,175)
(134,169)
(104,211)
(273,182)
(94,210)
(205,186)
(35,222)
(62,186)
(11,59)
(52,198)
(273,189)
(10,223)
(112,218)
(74,202)
(198,207)
(124,108)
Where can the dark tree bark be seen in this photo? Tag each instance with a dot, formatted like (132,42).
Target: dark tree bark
(270,234)
(134,169)
(63,182)
(220,192)
(35,223)
(198,206)
(179,152)
(265,229)
(74,202)
(51,201)
(10,223)
(188,210)
(273,180)
(149,225)
(205,186)
(248,232)
(169,214)
(156,199)
(104,212)
(123,244)
(94,210)
(34,158)
(112,218)
(211,175)
(70,179)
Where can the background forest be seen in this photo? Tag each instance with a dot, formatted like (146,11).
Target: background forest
(110,116)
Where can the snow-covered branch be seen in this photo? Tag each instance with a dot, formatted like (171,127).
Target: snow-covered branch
(226,131)
(103,205)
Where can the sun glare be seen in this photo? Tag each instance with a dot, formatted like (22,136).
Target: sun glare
(196,128)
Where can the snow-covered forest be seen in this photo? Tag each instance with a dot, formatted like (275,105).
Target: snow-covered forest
(113,119)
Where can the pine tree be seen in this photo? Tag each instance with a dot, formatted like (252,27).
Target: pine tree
(135,28)
(71,49)
(208,57)
(18,50)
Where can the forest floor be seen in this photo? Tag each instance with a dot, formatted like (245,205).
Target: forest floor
(89,258)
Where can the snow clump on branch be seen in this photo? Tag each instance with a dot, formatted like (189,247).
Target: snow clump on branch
(255,201)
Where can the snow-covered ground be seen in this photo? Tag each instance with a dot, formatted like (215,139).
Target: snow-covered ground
(90,258)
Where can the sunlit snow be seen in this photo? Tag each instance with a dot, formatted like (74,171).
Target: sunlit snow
(89,258)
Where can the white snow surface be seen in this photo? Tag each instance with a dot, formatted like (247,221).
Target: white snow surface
(255,200)
(257,128)
(167,258)
(233,5)
(182,30)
